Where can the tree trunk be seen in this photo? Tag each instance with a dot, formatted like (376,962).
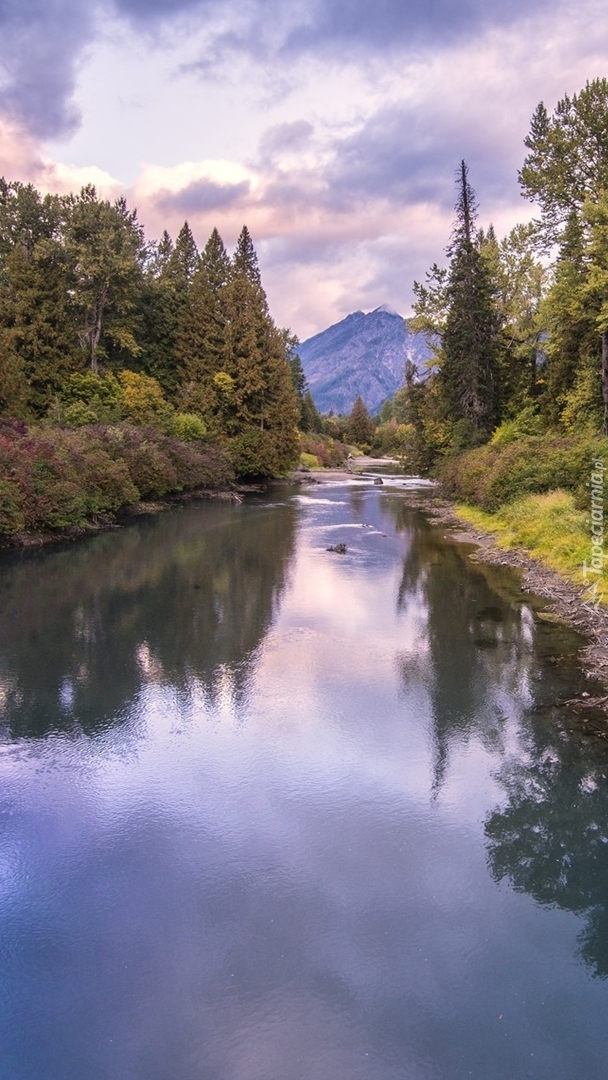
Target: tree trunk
(96,331)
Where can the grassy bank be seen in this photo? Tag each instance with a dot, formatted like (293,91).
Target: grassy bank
(533,492)
(549,527)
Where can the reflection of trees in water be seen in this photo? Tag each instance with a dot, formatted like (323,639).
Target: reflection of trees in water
(484,659)
(473,640)
(551,839)
(180,598)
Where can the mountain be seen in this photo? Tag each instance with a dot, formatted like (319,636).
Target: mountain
(363,355)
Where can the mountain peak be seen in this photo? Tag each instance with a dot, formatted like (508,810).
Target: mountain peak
(362,355)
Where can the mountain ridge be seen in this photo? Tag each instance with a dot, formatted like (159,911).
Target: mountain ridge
(364,356)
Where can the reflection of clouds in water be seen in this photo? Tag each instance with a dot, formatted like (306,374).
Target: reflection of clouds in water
(313,500)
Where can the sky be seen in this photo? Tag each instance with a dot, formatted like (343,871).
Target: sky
(332,128)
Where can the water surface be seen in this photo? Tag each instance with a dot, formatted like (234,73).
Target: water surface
(273,813)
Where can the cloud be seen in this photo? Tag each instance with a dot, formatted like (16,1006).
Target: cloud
(62,179)
(40,43)
(394,24)
(202,196)
(286,138)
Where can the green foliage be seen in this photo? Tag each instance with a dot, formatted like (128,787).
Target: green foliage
(65,478)
(245,260)
(12,518)
(187,427)
(469,372)
(106,249)
(254,453)
(359,428)
(311,461)
(89,399)
(142,400)
(567,163)
(499,472)
(328,452)
(527,422)
(431,306)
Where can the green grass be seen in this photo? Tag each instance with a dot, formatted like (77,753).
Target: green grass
(548,526)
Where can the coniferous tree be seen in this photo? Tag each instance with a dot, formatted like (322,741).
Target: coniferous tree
(245,258)
(567,163)
(37,326)
(201,332)
(469,374)
(170,275)
(310,419)
(183,261)
(359,428)
(263,409)
(39,331)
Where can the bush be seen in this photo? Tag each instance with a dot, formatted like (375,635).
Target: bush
(329,452)
(311,461)
(254,453)
(60,479)
(497,473)
(187,427)
(527,422)
(12,519)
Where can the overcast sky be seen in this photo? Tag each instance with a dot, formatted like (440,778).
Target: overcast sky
(332,128)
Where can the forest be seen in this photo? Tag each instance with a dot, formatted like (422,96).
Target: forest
(516,399)
(131,368)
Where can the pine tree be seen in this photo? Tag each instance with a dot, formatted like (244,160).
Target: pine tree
(566,172)
(263,413)
(469,374)
(183,261)
(245,259)
(201,332)
(359,428)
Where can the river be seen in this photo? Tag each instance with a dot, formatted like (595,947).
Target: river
(269,812)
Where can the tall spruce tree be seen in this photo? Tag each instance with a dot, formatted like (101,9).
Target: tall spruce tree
(183,261)
(359,428)
(245,258)
(469,374)
(201,332)
(263,413)
(169,279)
